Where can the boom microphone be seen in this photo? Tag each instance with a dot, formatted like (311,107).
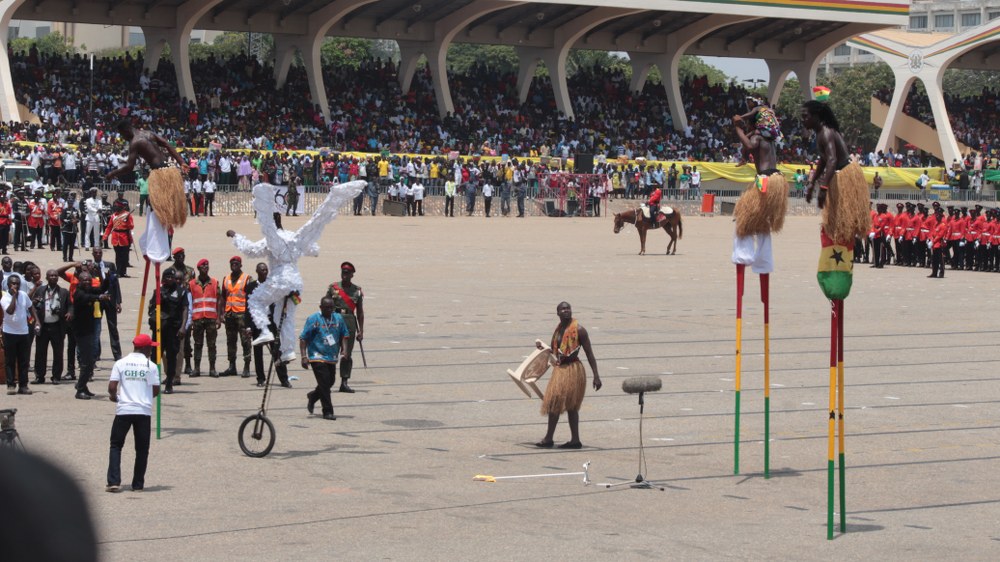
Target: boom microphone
(639,385)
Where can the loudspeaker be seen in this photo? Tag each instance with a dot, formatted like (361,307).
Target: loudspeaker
(583,164)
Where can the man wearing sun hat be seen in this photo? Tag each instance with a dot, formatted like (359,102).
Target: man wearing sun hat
(133,384)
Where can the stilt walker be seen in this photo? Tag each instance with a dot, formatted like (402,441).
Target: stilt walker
(759,213)
(843,196)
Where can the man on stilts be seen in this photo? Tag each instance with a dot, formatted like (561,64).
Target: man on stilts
(843,196)
(759,212)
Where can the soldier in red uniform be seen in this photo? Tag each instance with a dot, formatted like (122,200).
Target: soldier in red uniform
(119,229)
(910,226)
(6,220)
(880,225)
(54,211)
(976,225)
(36,219)
(994,263)
(956,237)
(899,222)
(925,225)
(985,242)
(938,239)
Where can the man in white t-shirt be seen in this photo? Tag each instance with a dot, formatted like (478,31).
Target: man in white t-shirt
(196,200)
(134,382)
(208,188)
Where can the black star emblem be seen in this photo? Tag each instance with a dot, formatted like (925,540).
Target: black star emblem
(838,256)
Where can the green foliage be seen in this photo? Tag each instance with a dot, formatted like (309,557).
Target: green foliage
(119,52)
(969,83)
(462,56)
(790,100)
(851,93)
(345,51)
(689,67)
(587,60)
(52,44)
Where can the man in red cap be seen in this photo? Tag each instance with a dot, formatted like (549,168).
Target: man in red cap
(206,311)
(185,274)
(236,316)
(348,300)
(134,382)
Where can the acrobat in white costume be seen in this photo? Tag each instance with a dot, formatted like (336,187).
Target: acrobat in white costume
(283,248)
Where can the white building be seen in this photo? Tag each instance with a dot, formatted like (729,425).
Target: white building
(90,38)
(939,16)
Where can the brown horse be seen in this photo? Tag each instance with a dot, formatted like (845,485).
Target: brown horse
(672,224)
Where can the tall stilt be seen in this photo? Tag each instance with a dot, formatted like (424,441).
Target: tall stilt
(142,299)
(740,271)
(840,414)
(832,420)
(159,347)
(765,297)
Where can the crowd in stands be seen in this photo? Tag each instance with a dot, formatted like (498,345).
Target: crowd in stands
(237,106)
(973,118)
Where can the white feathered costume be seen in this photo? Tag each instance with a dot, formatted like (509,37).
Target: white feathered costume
(283,248)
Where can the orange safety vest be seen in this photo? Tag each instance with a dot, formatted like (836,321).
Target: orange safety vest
(236,294)
(205,299)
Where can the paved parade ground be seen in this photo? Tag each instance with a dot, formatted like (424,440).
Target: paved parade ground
(451,303)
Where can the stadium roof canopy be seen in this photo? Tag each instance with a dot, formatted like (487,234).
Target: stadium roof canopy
(791,35)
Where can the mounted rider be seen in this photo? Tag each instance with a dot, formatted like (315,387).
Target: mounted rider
(654,204)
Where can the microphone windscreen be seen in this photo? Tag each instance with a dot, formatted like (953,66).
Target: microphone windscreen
(635,385)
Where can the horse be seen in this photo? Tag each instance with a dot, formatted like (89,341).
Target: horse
(672,224)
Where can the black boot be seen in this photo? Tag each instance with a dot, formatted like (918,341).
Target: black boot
(345,374)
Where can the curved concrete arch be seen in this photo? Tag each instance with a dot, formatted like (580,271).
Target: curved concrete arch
(178,38)
(8,101)
(310,45)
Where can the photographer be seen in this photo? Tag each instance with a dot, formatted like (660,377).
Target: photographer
(87,299)
(52,308)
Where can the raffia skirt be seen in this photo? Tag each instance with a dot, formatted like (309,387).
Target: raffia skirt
(166,196)
(846,213)
(566,389)
(758,212)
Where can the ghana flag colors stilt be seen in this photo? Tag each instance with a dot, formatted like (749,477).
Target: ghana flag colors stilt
(835,271)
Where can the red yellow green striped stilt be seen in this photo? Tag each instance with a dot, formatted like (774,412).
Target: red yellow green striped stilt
(740,271)
(159,347)
(840,414)
(765,297)
(831,423)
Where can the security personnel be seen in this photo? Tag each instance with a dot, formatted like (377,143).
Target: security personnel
(236,316)
(956,237)
(173,323)
(185,273)
(899,223)
(348,300)
(879,225)
(976,225)
(910,236)
(985,242)
(119,229)
(938,240)
(207,310)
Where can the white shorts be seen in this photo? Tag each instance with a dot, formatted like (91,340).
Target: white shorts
(754,251)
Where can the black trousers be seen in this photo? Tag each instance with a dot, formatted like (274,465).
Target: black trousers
(4,237)
(55,237)
(17,347)
(520,204)
(325,374)
(68,245)
(121,259)
(259,365)
(879,250)
(52,334)
(411,206)
(937,262)
(449,206)
(358,202)
(20,234)
(140,426)
(210,204)
(171,346)
(488,204)
(142,204)
(86,345)
(111,317)
(36,236)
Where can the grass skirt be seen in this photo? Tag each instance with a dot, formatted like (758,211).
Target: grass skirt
(565,389)
(166,196)
(762,213)
(845,214)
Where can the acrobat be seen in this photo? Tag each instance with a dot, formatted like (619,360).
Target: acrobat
(283,248)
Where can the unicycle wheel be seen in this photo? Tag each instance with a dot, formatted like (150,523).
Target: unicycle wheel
(256,436)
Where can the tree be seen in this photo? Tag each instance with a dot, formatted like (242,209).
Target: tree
(52,44)
(851,100)
(345,51)
(970,83)
(462,57)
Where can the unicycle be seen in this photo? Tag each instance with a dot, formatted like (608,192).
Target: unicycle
(256,433)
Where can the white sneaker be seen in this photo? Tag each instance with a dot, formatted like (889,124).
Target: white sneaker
(288,357)
(265,337)
(112,488)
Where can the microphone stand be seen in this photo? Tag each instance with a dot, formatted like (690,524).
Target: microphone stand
(640,481)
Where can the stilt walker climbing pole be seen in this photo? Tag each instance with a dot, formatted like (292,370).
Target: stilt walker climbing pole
(740,271)
(765,297)
(159,347)
(840,414)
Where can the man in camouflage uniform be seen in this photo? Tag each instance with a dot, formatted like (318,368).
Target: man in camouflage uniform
(348,301)
(207,312)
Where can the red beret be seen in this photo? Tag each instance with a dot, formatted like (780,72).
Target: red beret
(348,266)
(202,262)
(178,251)
(236,258)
